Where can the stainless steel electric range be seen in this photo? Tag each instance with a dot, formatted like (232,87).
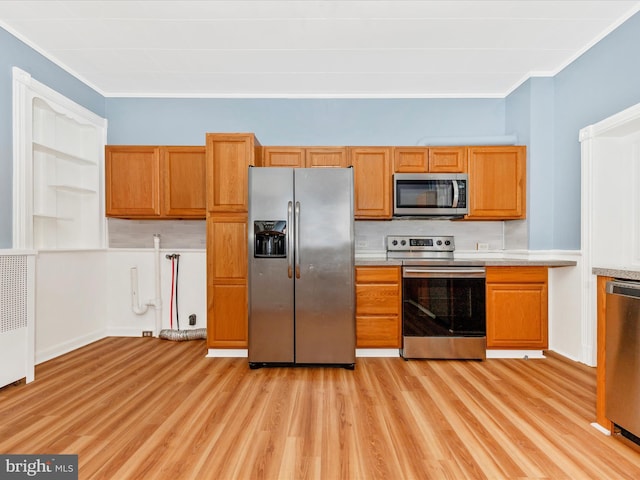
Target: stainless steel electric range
(443,300)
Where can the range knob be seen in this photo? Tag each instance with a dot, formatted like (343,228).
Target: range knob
(403,242)
(394,243)
(439,242)
(447,242)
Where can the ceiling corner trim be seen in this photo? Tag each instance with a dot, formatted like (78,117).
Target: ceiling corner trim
(50,57)
(635,9)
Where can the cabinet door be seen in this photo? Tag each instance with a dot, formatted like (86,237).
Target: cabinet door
(326,157)
(227,314)
(132,181)
(227,164)
(227,303)
(372,182)
(497,183)
(447,159)
(292,157)
(378,304)
(184,185)
(517,304)
(410,159)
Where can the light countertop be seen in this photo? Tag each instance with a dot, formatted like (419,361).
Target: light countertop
(609,272)
(467,260)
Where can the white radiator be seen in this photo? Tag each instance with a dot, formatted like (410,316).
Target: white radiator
(17,337)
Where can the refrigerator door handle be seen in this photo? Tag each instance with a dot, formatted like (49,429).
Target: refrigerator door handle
(289,240)
(296,236)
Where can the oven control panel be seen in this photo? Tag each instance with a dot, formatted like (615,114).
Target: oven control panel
(401,243)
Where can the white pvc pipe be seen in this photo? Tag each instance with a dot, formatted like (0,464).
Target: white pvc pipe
(135,300)
(157,302)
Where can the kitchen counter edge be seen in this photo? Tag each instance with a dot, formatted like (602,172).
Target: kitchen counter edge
(609,272)
(488,262)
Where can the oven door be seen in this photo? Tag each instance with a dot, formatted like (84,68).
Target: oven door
(443,312)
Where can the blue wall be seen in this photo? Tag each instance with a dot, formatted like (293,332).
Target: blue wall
(545,113)
(601,82)
(14,53)
(302,121)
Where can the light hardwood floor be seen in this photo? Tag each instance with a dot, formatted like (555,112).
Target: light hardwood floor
(144,408)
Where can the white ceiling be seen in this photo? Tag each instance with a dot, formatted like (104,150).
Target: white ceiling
(322,48)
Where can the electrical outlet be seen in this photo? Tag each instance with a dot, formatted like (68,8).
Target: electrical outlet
(482,246)
(147,333)
(192,319)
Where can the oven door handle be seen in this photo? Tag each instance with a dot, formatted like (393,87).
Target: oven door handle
(443,272)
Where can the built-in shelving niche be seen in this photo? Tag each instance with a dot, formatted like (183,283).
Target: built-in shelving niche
(66,180)
(60,186)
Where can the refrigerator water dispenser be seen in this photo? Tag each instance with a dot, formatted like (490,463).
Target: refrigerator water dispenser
(270,238)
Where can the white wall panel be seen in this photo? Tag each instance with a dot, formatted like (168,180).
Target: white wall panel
(192,293)
(70,301)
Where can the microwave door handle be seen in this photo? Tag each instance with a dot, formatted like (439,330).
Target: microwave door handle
(456,194)
(290,240)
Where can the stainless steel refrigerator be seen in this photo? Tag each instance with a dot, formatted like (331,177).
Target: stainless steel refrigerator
(301,267)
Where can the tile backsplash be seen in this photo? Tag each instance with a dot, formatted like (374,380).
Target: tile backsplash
(175,234)
(369,235)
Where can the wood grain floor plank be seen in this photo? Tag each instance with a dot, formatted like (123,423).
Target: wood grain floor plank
(135,408)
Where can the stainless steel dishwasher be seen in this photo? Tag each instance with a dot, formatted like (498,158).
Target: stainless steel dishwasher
(622,377)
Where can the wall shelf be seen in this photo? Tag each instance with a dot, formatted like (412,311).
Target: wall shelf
(58,201)
(74,189)
(39,147)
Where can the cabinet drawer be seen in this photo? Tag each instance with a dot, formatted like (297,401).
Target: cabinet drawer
(378,332)
(377,300)
(378,275)
(516,274)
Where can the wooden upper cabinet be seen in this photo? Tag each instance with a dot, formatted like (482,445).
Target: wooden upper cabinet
(227,165)
(154,181)
(447,159)
(292,157)
(132,181)
(326,157)
(372,182)
(297,157)
(183,172)
(430,159)
(497,182)
(410,159)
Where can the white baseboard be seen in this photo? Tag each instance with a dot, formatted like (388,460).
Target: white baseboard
(124,332)
(600,428)
(377,352)
(227,353)
(68,346)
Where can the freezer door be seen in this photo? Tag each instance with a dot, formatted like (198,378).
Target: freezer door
(271,321)
(324,291)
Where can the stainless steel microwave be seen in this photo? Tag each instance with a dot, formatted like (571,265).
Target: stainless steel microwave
(430,194)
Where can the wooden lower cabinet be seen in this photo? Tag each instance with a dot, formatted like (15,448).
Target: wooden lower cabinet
(601,352)
(517,308)
(227,314)
(378,307)
(227,280)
